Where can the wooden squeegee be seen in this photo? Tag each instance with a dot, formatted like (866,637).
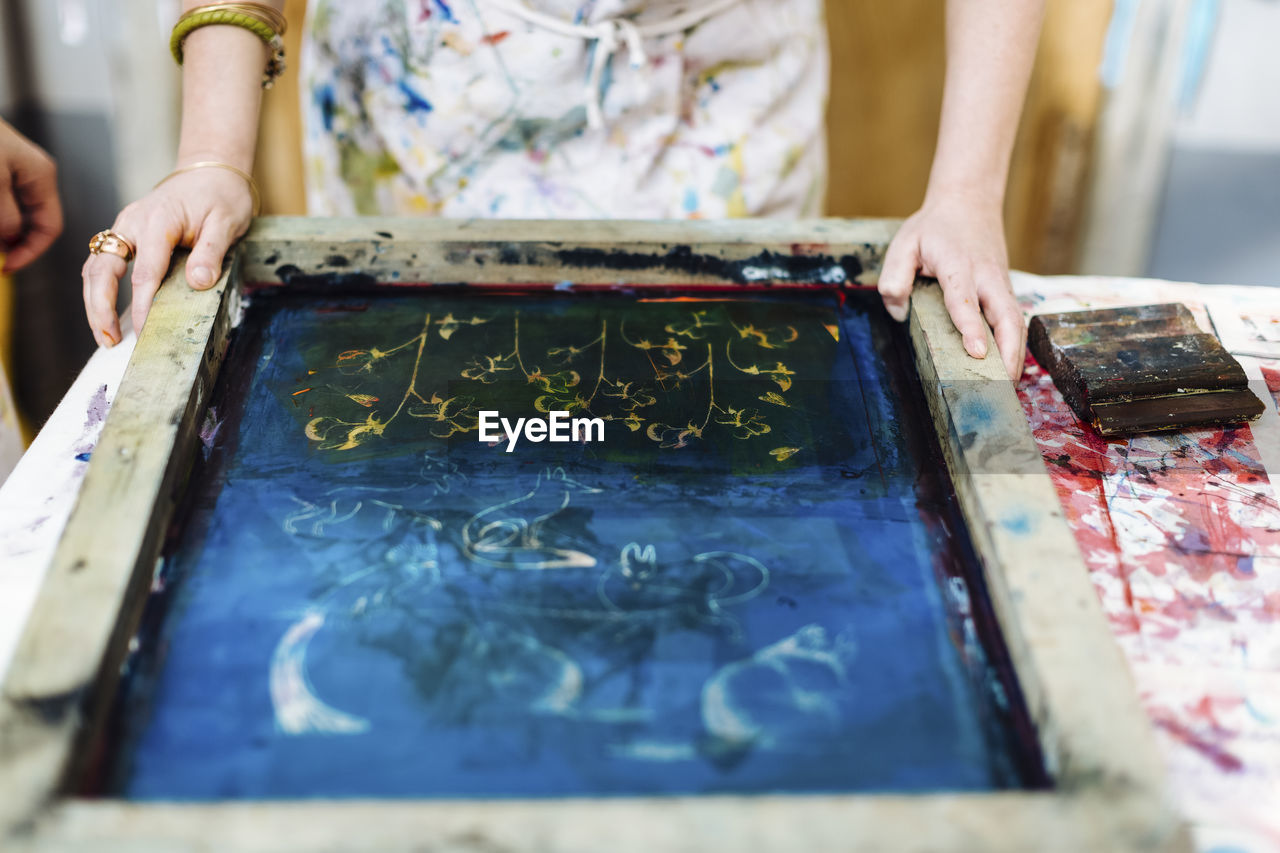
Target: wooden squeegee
(1142,369)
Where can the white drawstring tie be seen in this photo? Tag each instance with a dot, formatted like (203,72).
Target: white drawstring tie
(608,37)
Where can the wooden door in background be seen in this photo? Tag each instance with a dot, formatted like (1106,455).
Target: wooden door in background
(278,163)
(887,64)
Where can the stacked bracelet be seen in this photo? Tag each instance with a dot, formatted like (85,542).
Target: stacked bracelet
(265,22)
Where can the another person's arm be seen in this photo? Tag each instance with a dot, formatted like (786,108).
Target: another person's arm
(30,213)
(206,209)
(958,233)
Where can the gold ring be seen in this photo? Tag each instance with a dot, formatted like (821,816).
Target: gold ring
(110,241)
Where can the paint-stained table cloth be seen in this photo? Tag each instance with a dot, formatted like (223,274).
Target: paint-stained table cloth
(1181,535)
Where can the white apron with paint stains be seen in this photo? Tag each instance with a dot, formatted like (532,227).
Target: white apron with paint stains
(469,108)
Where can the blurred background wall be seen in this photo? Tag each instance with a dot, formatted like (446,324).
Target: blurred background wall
(1219,215)
(1150,142)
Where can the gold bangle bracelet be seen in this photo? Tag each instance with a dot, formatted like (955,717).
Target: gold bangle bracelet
(268,15)
(263,21)
(216,164)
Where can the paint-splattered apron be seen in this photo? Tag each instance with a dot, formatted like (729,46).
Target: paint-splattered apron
(565,108)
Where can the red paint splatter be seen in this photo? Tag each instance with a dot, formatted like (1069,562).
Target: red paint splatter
(1193,510)
(1271,375)
(1225,761)
(495,38)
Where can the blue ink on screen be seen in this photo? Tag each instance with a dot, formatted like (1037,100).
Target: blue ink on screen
(752,585)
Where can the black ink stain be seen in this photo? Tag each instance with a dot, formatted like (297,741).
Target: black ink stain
(291,276)
(53,708)
(762,268)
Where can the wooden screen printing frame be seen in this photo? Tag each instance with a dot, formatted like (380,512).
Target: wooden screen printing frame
(1108,780)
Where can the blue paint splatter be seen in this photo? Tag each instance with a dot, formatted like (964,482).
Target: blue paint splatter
(445,11)
(325,101)
(726,182)
(973,415)
(413,101)
(690,200)
(1019,525)
(606,78)
(1241,458)
(83,457)
(564,286)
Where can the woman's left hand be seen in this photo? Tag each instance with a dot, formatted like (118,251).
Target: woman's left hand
(959,240)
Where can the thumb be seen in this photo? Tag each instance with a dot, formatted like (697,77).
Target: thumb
(204,264)
(898,275)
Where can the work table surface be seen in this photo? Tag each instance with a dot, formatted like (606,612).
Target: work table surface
(1180,532)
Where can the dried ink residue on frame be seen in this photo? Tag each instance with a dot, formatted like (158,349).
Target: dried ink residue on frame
(751,585)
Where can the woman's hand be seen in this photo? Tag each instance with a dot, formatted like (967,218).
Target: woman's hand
(206,209)
(959,240)
(958,235)
(30,214)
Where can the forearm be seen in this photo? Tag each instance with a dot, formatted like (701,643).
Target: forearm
(221,93)
(991,45)
(957,236)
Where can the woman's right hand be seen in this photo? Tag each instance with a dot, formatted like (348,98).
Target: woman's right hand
(206,209)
